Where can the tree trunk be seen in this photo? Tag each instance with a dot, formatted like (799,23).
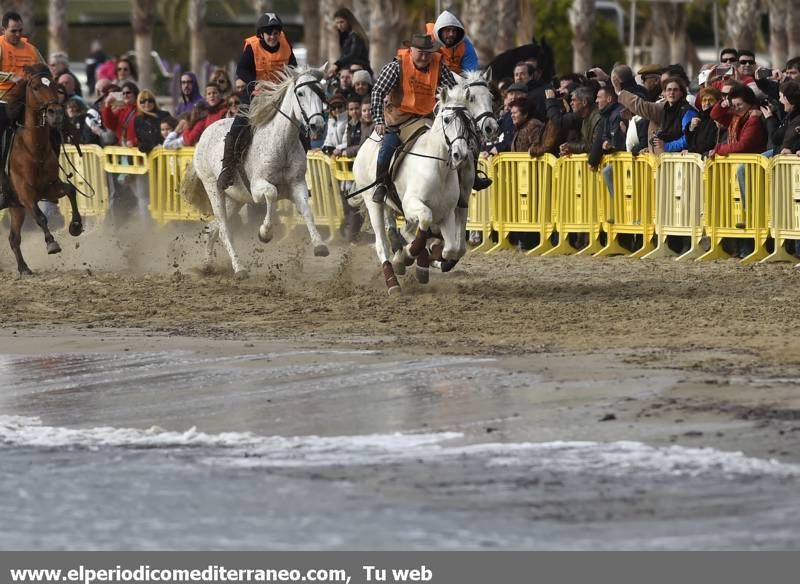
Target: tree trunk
(793,29)
(481,27)
(660,33)
(679,39)
(197,33)
(581,20)
(742,23)
(778,37)
(25,9)
(507,25)
(58,30)
(142,22)
(261,6)
(310,13)
(380,24)
(329,37)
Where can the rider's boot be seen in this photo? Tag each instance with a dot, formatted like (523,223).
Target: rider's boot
(229,157)
(481,180)
(382,177)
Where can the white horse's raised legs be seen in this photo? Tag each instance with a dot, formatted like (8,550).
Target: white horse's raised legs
(265,191)
(300,197)
(382,246)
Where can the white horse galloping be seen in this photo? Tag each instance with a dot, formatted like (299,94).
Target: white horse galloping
(427,183)
(275,165)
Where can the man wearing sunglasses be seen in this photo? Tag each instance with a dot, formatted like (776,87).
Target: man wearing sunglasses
(15,53)
(264,55)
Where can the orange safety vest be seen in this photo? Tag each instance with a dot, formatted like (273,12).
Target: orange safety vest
(14,59)
(419,87)
(269,64)
(452,56)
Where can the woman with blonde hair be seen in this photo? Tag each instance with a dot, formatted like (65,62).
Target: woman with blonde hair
(148,121)
(221,79)
(353,41)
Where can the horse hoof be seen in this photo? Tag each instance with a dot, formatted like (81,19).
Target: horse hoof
(241,275)
(53,247)
(422,274)
(448,265)
(25,272)
(265,238)
(321,251)
(75,228)
(395,290)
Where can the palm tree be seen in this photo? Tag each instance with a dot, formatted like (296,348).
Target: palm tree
(57,26)
(581,20)
(310,12)
(742,22)
(197,44)
(507,25)
(778,29)
(143,13)
(481,28)
(793,28)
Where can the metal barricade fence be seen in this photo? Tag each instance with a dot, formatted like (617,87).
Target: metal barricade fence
(576,200)
(523,197)
(733,212)
(87,174)
(679,203)
(480,213)
(123,160)
(167,168)
(783,186)
(325,189)
(630,209)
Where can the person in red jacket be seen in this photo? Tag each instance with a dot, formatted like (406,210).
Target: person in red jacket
(215,108)
(118,115)
(740,114)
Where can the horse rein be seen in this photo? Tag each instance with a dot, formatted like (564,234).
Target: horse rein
(45,105)
(487,114)
(304,129)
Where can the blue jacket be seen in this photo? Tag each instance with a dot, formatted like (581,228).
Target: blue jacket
(680,143)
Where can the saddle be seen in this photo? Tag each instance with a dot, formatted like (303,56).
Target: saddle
(410,132)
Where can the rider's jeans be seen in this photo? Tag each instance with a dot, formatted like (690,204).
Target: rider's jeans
(389,144)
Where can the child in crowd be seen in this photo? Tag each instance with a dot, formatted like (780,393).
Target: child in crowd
(353,131)
(172,139)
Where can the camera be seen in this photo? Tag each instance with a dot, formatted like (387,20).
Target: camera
(327,150)
(763,73)
(590,74)
(764,103)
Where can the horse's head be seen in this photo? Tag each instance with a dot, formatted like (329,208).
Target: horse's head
(456,124)
(41,95)
(479,102)
(310,99)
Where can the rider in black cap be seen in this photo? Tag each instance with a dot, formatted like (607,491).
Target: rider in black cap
(265,54)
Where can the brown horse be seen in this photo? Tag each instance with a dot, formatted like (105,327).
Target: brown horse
(33,174)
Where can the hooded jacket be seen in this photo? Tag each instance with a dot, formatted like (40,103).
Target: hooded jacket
(468,61)
(185,104)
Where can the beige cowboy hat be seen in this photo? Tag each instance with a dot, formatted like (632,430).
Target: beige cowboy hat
(423,42)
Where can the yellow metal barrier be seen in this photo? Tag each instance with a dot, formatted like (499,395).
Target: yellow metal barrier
(322,178)
(89,178)
(679,203)
(630,210)
(523,196)
(120,160)
(784,191)
(166,172)
(577,201)
(481,212)
(343,168)
(732,213)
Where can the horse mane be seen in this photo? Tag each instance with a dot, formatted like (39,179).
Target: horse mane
(38,69)
(473,76)
(265,105)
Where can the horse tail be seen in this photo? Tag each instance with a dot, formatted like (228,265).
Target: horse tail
(193,192)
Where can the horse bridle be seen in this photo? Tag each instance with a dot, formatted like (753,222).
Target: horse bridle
(462,113)
(304,128)
(487,114)
(45,105)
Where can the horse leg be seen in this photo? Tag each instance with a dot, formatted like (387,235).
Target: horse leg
(300,196)
(382,247)
(75,222)
(218,204)
(17,217)
(266,192)
(451,229)
(213,235)
(41,221)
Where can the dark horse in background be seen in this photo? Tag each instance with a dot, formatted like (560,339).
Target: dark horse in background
(33,171)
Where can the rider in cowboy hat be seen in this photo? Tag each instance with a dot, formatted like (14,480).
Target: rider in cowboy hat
(409,84)
(264,55)
(15,53)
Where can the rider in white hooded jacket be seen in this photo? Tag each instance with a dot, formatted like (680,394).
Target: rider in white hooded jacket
(456,49)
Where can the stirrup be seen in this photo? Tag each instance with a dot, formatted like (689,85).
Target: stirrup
(379,195)
(482,181)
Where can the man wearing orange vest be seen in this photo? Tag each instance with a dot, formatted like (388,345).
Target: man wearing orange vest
(457,51)
(413,78)
(15,53)
(264,55)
